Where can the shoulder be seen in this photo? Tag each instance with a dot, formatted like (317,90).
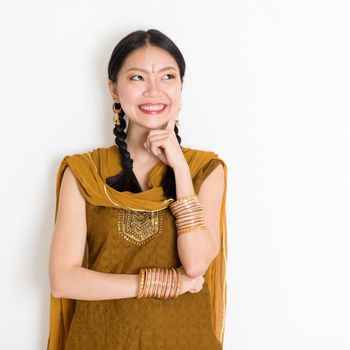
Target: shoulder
(207,167)
(201,156)
(92,151)
(207,160)
(89,156)
(200,152)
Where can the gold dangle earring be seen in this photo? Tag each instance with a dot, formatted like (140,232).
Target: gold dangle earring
(116,118)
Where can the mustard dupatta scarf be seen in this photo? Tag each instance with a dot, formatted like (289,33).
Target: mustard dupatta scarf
(91,169)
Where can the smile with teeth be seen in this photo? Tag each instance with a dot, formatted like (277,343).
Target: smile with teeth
(157,107)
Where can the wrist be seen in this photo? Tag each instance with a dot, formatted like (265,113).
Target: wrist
(182,168)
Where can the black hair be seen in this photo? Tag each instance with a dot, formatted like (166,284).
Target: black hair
(126,179)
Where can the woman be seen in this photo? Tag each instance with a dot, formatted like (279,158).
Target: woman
(138,254)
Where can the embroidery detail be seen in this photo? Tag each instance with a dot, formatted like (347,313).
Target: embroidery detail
(139,227)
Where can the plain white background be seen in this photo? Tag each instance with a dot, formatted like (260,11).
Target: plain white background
(266,87)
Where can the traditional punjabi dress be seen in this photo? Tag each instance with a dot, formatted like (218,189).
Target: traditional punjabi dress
(126,232)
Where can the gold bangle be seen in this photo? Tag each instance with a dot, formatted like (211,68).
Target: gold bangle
(184,203)
(174,284)
(182,199)
(179,289)
(168,285)
(189,214)
(190,229)
(159,283)
(142,282)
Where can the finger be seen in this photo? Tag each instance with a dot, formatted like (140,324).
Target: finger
(171,123)
(157,144)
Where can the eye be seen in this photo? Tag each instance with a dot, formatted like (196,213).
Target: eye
(171,75)
(135,76)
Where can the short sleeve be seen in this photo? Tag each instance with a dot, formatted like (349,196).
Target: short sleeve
(203,173)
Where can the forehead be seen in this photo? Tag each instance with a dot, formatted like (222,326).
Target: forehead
(149,57)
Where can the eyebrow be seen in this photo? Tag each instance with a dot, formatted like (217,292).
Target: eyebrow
(146,71)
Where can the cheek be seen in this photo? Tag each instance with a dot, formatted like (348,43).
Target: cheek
(175,94)
(129,95)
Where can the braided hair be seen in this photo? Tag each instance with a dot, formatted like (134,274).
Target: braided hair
(126,179)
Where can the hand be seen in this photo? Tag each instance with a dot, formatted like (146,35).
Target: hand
(191,284)
(164,145)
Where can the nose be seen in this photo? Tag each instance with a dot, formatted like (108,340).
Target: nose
(152,88)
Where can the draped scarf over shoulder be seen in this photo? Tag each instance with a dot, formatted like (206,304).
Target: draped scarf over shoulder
(91,169)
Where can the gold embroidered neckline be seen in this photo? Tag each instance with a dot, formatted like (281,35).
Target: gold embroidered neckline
(139,227)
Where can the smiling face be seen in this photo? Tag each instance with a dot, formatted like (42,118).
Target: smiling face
(148,87)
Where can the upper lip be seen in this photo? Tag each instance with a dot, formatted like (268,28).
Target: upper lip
(152,104)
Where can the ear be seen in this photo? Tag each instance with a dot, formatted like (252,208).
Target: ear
(113,90)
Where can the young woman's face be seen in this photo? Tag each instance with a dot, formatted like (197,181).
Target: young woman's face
(149,75)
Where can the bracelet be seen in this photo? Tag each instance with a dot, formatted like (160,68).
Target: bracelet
(159,283)
(189,214)
(142,282)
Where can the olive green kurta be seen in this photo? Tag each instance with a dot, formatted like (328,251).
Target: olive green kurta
(122,241)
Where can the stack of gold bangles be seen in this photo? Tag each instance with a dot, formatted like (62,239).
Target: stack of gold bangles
(189,214)
(167,283)
(160,283)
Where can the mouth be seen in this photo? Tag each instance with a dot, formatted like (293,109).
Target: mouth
(153,108)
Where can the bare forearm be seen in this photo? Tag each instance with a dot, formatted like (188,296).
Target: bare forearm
(85,284)
(195,247)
